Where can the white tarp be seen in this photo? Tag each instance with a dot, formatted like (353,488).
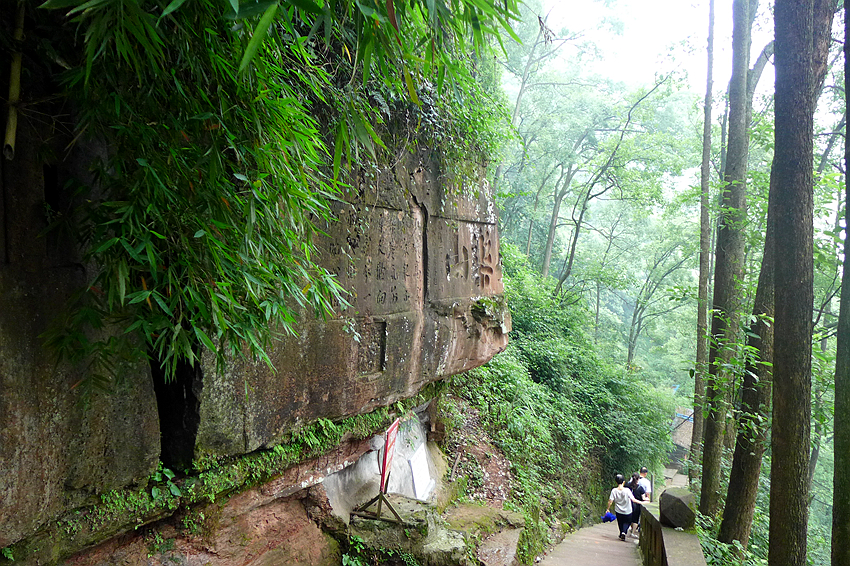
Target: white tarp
(422,482)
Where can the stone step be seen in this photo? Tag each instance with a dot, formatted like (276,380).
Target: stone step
(597,545)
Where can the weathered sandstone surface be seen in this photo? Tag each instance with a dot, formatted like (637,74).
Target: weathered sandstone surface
(420,259)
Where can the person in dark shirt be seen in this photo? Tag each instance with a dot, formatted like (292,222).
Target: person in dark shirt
(640,494)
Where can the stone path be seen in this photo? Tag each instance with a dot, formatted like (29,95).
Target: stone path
(594,546)
(672,478)
(599,545)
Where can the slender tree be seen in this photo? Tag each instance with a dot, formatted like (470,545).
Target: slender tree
(729,263)
(542,48)
(704,257)
(602,180)
(794,278)
(650,302)
(755,404)
(756,389)
(840,494)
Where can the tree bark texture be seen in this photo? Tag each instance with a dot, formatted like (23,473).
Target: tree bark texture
(729,265)
(841,425)
(793,163)
(823,12)
(755,406)
(756,389)
(704,258)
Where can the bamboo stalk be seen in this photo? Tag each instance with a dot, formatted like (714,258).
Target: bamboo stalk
(14,88)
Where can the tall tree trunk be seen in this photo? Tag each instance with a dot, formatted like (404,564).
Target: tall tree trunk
(550,239)
(756,390)
(534,212)
(841,426)
(724,128)
(701,364)
(793,162)
(729,268)
(596,318)
(634,332)
(755,405)
(559,193)
(753,77)
(568,261)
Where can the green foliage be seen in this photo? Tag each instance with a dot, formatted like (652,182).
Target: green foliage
(200,218)
(554,408)
(163,479)
(534,537)
(157,544)
(721,554)
(358,554)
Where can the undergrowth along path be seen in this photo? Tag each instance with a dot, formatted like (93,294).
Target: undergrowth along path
(594,546)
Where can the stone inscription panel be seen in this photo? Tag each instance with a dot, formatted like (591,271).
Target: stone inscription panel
(376,253)
(463,259)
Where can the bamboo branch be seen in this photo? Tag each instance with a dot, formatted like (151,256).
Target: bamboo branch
(14,88)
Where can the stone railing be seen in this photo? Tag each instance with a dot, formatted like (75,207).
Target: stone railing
(664,546)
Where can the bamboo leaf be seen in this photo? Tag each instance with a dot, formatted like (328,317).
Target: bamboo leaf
(367,61)
(159,300)
(205,340)
(122,281)
(391,14)
(56,4)
(87,5)
(175,4)
(328,23)
(306,5)
(338,146)
(138,297)
(375,137)
(259,35)
(362,134)
(249,9)
(106,245)
(411,90)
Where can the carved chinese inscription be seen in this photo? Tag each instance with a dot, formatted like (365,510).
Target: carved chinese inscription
(487,266)
(473,257)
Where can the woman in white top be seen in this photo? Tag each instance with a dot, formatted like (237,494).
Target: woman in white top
(622,499)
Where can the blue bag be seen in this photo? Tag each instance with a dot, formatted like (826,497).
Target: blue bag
(608,517)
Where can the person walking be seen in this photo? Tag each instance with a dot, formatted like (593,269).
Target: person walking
(637,490)
(622,499)
(644,481)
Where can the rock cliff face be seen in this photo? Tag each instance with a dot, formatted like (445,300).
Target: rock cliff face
(55,452)
(421,263)
(423,270)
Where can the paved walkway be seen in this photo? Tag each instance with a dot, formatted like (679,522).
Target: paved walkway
(594,546)
(599,545)
(672,478)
